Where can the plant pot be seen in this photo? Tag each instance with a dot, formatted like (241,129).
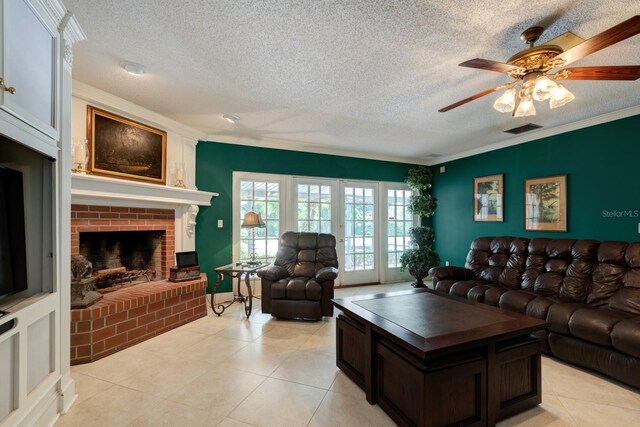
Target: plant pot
(418,275)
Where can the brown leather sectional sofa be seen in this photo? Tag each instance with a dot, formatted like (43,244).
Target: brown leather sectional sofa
(588,291)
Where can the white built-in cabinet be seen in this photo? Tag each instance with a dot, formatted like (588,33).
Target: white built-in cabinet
(29,65)
(35,124)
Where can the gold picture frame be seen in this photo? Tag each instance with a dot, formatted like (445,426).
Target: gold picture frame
(488,198)
(122,148)
(545,204)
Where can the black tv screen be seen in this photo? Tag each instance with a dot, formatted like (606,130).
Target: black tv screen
(13,263)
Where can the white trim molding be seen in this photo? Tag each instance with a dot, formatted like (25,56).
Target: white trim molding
(542,133)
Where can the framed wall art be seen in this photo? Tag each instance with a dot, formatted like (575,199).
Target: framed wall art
(488,196)
(545,203)
(122,148)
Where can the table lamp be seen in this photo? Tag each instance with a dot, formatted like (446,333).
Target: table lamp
(252,220)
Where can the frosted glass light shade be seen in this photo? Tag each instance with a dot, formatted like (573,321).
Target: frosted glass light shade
(506,102)
(560,96)
(543,88)
(525,108)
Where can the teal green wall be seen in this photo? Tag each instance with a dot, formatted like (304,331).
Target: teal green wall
(602,164)
(216,162)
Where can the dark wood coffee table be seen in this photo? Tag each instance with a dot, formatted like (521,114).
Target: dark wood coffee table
(435,360)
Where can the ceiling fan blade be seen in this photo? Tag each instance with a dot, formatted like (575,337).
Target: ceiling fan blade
(620,72)
(489,65)
(469,99)
(566,40)
(613,35)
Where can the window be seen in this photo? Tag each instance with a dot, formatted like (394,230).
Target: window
(400,220)
(314,208)
(262,197)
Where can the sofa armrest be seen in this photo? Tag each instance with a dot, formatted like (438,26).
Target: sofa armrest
(273,273)
(326,273)
(452,273)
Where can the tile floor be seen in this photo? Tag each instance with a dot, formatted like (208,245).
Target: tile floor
(230,371)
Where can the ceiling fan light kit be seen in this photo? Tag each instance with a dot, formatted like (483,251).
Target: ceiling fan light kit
(530,66)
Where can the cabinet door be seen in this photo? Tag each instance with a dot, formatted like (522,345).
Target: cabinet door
(29,57)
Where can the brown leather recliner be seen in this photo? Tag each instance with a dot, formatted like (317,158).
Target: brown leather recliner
(300,283)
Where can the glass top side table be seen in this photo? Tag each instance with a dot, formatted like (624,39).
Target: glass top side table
(236,271)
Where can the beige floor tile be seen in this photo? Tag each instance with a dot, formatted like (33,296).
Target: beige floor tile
(162,377)
(306,368)
(172,342)
(205,325)
(343,385)
(118,366)
(279,403)
(256,358)
(280,336)
(116,406)
(565,380)
(170,414)
(228,422)
(551,413)
(245,330)
(589,414)
(338,409)
(217,392)
(87,386)
(304,325)
(320,344)
(214,349)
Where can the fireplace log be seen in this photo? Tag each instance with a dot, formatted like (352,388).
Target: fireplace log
(100,274)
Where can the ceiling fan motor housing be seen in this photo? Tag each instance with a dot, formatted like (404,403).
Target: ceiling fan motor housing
(534,59)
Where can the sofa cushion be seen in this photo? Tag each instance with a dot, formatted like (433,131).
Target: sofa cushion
(477,293)
(594,324)
(516,300)
(493,294)
(627,300)
(279,289)
(632,257)
(559,315)
(444,285)
(539,307)
(313,290)
(461,289)
(498,260)
(608,274)
(626,336)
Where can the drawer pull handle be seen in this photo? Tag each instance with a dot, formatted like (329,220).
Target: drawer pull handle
(10,89)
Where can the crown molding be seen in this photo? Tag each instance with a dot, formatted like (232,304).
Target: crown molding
(115,104)
(283,144)
(544,133)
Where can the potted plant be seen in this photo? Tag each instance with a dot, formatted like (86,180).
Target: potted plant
(421,256)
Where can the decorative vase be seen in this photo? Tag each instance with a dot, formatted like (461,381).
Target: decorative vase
(79,155)
(418,275)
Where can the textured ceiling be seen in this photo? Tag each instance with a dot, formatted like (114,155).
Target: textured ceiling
(362,76)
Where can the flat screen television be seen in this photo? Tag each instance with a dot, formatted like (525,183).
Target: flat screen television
(13,262)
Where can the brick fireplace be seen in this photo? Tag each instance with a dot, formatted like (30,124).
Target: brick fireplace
(130,315)
(108,219)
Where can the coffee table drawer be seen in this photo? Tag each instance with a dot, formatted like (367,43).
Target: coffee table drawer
(350,346)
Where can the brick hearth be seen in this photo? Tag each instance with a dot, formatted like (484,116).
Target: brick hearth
(128,316)
(86,218)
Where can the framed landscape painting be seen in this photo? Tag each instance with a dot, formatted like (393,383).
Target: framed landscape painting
(545,203)
(122,148)
(488,195)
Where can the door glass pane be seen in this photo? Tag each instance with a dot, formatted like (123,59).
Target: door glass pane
(260,244)
(314,208)
(359,232)
(400,221)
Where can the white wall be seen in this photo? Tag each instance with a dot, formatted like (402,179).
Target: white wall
(181,139)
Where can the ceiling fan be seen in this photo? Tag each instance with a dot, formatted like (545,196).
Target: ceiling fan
(529,68)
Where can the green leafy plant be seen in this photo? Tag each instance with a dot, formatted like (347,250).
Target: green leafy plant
(422,205)
(419,178)
(420,257)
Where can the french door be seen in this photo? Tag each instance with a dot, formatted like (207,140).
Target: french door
(358,233)
(369,219)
